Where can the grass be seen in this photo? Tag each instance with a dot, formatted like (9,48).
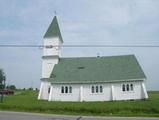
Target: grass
(26,101)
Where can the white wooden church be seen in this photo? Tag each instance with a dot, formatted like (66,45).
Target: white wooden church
(106,78)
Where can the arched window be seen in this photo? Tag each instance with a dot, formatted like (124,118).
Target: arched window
(96,89)
(131,87)
(62,89)
(92,89)
(70,89)
(66,89)
(101,89)
(127,87)
(123,87)
(49,90)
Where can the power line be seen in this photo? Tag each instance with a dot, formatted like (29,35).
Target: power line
(56,46)
(110,46)
(21,46)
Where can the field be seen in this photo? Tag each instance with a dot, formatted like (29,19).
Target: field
(26,101)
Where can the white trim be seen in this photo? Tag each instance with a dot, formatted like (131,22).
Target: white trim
(50,94)
(144,90)
(113,81)
(81,93)
(112,92)
(41,86)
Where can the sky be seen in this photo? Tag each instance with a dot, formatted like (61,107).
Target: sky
(91,22)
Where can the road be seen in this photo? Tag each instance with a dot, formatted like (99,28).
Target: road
(34,116)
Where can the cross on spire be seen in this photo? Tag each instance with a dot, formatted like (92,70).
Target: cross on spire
(55,12)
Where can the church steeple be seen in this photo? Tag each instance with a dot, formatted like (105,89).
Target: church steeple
(53,30)
(51,52)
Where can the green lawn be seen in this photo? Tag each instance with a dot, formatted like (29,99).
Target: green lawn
(27,101)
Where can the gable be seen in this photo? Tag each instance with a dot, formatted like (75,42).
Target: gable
(96,69)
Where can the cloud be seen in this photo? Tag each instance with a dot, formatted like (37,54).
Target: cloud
(81,22)
(4,33)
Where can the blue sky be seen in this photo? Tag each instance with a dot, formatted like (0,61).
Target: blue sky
(115,22)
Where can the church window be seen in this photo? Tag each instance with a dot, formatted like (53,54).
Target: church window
(96,89)
(101,89)
(70,89)
(66,89)
(131,87)
(123,87)
(127,87)
(92,89)
(62,89)
(49,90)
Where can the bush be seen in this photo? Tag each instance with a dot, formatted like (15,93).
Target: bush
(12,87)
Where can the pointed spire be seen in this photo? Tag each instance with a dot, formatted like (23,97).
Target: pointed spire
(53,30)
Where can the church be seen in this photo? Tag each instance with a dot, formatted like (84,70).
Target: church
(101,78)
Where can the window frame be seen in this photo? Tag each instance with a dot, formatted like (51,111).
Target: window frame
(96,89)
(92,89)
(127,87)
(131,87)
(62,89)
(123,88)
(66,89)
(70,89)
(49,89)
(101,89)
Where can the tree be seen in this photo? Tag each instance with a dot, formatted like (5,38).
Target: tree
(2,79)
(2,83)
(12,87)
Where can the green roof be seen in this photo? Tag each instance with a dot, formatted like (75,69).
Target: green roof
(53,30)
(97,69)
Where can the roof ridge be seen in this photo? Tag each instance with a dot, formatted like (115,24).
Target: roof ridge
(97,56)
